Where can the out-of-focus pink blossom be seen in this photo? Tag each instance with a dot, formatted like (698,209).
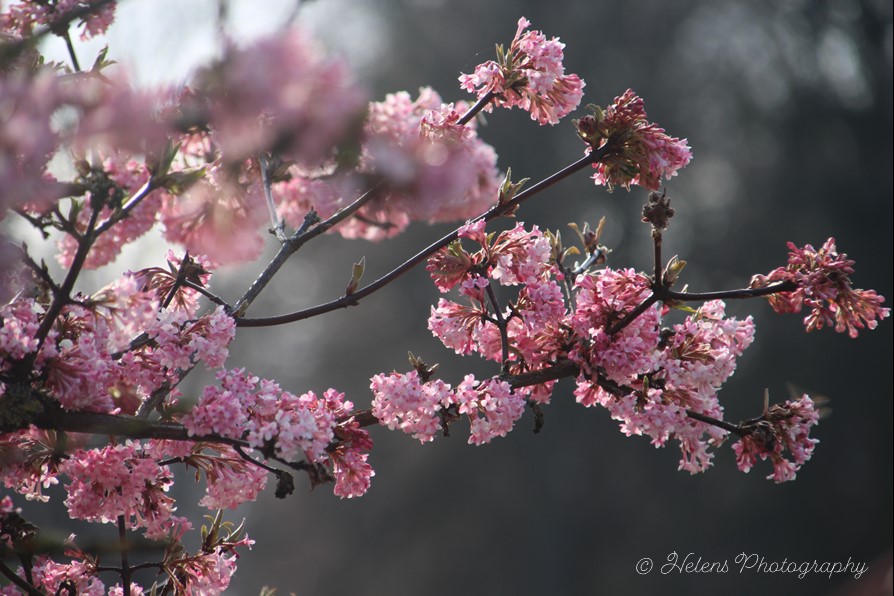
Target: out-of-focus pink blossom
(824,286)
(530,75)
(640,152)
(217,217)
(278,94)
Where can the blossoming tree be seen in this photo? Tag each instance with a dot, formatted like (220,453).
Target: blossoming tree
(237,158)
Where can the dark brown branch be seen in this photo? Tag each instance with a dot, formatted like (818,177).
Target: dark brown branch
(496,211)
(475,109)
(18,581)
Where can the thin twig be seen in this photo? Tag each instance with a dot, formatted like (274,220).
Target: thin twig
(493,213)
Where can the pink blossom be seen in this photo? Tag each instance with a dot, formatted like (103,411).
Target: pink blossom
(223,410)
(27,140)
(492,407)
(782,428)
(640,152)
(231,480)
(436,170)
(120,480)
(530,75)
(823,285)
(521,257)
(82,577)
(603,299)
(455,324)
(352,473)
(278,94)
(21,17)
(218,217)
(403,401)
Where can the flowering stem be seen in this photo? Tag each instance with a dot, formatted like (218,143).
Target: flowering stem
(479,105)
(18,581)
(60,298)
(497,210)
(129,206)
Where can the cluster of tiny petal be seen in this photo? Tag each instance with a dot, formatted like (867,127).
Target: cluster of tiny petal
(120,480)
(265,415)
(784,428)
(19,322)
(521,257)
(603,299)
(223,410)
(230,480)
(75,577)
(20,18)
(492,407)
(640,152)
(823,285)
(30,464)
(163,282)
(403,401)
(530,76)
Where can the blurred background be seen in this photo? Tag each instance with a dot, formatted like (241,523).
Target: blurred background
(788,108)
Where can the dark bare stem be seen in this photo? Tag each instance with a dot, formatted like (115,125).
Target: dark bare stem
(658,275)
(125,567)
(129,206)
(60,298)
(206,293)
(777,288)
(251,460)
(71,51)
(475,109)
(277,223)
(502,324)
(304,234)
(18,581)
(493,213)
(629,317)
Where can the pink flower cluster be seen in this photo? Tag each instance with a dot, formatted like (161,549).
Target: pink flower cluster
(824,286)
(433,168)
(278,94)
(403,401)
(530,76)
(21,17)
(280,423)
(782,428)
(640,152)
(121,480)
(650,379)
